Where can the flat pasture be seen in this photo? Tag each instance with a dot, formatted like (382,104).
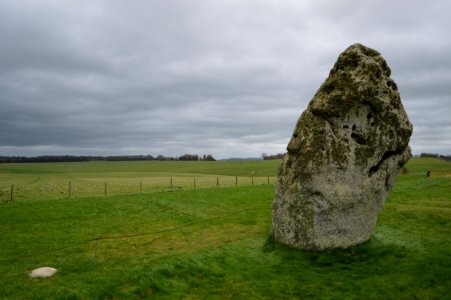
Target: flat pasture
(213,243)
(33,181)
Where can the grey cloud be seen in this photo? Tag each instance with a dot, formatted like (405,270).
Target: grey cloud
(228,78)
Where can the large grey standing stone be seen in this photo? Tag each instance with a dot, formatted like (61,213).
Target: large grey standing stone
(343,158)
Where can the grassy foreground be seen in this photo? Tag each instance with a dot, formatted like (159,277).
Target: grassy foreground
(213,243)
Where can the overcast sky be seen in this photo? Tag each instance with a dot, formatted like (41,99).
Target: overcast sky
(225,77)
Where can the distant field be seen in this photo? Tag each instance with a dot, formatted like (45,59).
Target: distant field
(51,180)
(33,181)
(213,243)
(231,168)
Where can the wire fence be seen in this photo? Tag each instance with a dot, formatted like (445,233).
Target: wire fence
(79,188)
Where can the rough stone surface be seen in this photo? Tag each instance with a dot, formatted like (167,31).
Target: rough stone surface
(343,158)
(43,272)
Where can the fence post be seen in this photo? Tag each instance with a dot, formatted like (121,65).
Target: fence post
(268,178)
(106,189)
(236,180)
(69,192)
(217,181)
(12,192)
(194,182)
(252,178)
(171,182)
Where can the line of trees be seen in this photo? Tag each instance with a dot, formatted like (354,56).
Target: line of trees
(273,156)
(72,158)
(445,157)
(195,157)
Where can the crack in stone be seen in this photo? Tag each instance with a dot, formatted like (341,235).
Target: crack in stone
(386,156)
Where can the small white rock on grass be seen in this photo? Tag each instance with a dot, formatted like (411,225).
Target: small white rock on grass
(43,272)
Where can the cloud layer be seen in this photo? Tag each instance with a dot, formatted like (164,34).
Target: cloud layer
(228,78)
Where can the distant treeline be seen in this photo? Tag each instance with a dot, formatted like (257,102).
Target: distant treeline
(274,156)
(445,157)
(71,158)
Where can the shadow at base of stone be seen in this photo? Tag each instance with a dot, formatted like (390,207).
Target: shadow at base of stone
(370,252)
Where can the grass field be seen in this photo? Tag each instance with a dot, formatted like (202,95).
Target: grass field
(54,180)
(213,243)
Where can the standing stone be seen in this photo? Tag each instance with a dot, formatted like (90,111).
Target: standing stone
(343,158)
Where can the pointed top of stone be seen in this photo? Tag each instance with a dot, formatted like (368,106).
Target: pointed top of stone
(356,55)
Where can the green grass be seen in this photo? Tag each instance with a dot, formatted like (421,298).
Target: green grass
(213,243)
(231,168)
(422,165)
(51,180)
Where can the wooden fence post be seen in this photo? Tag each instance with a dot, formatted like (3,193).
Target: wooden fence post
(252,178)
(217,181)
(69,192)
(171,182)
(268,179)
(236,180)
(106,189)
(194,182)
